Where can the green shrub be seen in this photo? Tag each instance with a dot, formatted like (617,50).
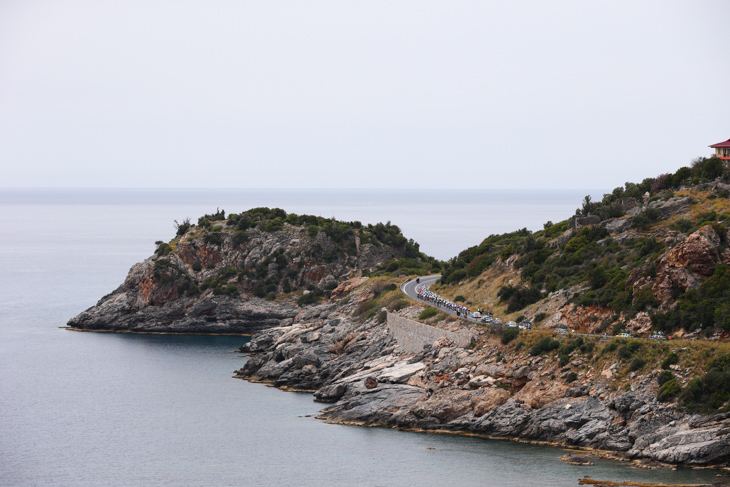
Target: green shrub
(613,345)
(633,346)
(506,252)
(162,248)
(229,290)
(540,316)
(637,363)
(509,334)
(564,359)
(664,377)
(709,394)
(197,267)
(669,390)
(459,299)
(682,225)
(427,313)
(671,359)
(518,297)
(209,283)
(545,345)
(182,228)
(240,237)
(228,272)
(572,377)
(617,327)
(213,238)
(307,298)
(624,352)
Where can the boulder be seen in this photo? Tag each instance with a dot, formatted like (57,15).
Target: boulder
(684,266)
(345,288)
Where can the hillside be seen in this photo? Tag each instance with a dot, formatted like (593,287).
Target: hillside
(649,256)
(245,272)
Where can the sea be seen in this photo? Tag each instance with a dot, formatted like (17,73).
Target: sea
(102,409)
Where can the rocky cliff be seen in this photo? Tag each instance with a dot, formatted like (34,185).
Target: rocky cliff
(243,273)
(591,399)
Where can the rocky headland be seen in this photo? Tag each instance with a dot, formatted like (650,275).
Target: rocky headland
(242,273)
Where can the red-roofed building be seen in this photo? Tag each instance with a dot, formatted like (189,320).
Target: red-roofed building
(722,150)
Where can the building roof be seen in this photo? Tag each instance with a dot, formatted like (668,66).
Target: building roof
(721,144)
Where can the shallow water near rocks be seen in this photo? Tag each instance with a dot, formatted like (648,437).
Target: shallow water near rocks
(88,409)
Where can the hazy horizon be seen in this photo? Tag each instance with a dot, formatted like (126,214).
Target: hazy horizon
(324,94)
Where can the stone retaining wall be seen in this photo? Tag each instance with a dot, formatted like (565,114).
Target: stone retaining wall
(412,335)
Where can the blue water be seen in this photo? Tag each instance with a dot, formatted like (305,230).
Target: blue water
(89,409)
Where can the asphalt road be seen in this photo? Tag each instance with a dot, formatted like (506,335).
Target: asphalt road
(410,289)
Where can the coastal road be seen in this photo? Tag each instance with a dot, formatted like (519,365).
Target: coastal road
(409,288)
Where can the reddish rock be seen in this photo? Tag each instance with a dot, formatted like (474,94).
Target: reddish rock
(698,253)
(347,287)
(685,265)
(371,383)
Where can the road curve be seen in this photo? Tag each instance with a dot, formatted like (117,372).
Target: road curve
(409,288)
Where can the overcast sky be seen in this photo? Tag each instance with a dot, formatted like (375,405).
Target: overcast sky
(363,94)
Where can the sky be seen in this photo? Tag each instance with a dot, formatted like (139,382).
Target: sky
(359,94)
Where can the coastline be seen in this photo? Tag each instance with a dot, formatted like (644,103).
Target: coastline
(482,390)
(130,332)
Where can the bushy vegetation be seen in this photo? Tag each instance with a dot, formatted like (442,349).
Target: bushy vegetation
(428,312)
(711,392)
(333,240)
(509,334)
(545,345)
(704,307)
(592,259)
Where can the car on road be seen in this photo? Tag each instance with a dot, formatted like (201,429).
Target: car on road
(525,325)
(658,335)
(511,324)
(561,330)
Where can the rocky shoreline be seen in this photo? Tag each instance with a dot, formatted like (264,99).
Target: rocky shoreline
(482,390)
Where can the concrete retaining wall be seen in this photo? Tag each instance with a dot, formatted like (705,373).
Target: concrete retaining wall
(412,335)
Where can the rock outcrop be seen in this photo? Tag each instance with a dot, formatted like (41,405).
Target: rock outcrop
(686,265)
(212,279)
(371,381)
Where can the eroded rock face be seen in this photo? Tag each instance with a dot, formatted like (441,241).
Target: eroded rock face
(685,266)
(167,293)
(698,253)
(145,304)
(347,287)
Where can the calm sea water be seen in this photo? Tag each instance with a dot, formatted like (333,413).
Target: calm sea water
(90,409)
